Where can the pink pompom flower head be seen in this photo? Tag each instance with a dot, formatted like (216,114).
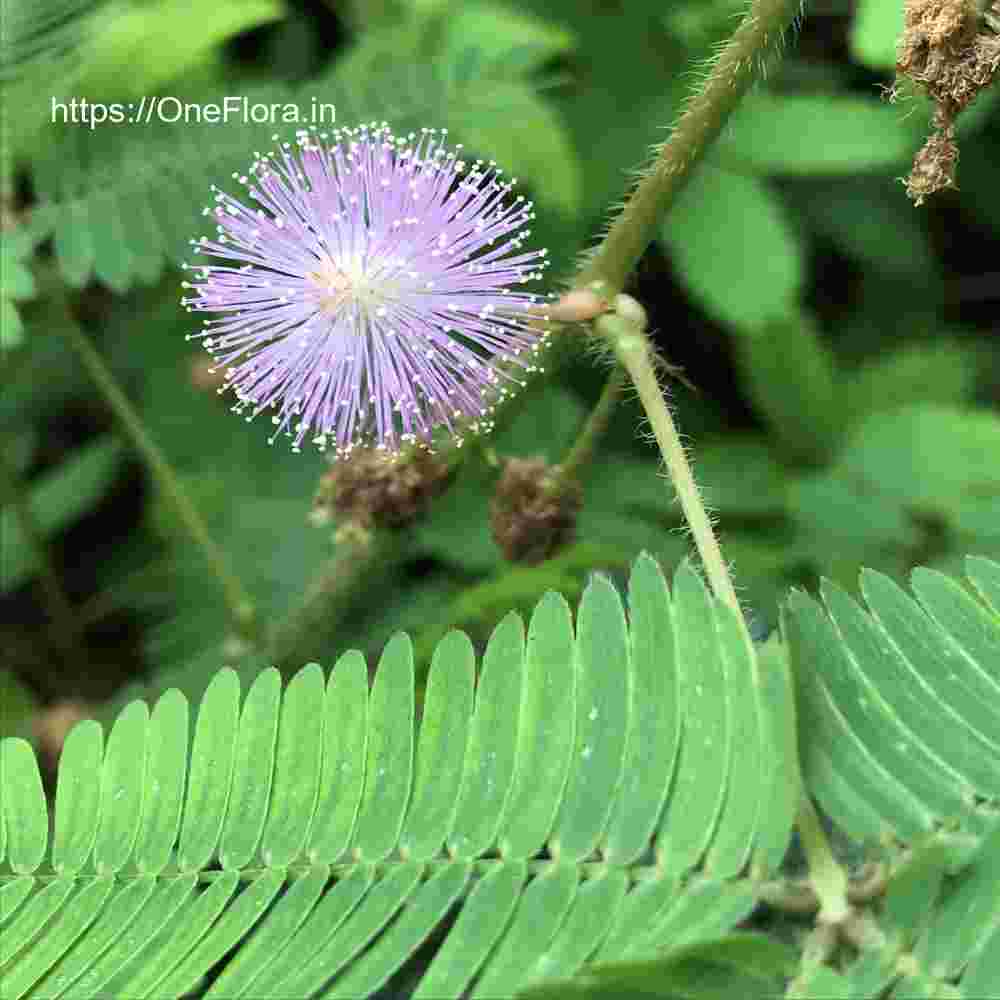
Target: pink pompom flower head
(367,296)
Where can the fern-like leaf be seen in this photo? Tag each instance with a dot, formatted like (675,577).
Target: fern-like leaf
(320,834)
(900,704)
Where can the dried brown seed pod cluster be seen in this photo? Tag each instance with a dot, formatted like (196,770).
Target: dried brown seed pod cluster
(951,49)
(533,513)
(369,489)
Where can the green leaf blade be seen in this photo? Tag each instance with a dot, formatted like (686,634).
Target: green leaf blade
(699,790)
(345,750)
(122,788)
(540,911)
(864,690)
(444,731)
(273,938)
(32,917)
(211,771)
(166,770)
(389,763)
(546,735)
(253,771)
(78,798)
(602,722)
(427,906)
(943,670)
(296,769)
(245,910)
(25,813)
(828,743)
(492,754)
(378,906)
(156,910)
(482,921)
(191,921)
(733,840)
(654,732)
(83,967)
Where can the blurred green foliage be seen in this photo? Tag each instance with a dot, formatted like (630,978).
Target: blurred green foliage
(847,400)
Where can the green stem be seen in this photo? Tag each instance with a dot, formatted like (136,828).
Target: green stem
(596,423)
(633,351)
(819,948)
(65,632)
(609,266)
(241,608)
(827,877)
(731,75)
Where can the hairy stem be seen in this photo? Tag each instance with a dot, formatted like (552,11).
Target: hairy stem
(607,270)
(583,448)
(828,878)
(731,75)
(633,351)
(238,601)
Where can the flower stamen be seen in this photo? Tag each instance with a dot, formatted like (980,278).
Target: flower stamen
(368,298)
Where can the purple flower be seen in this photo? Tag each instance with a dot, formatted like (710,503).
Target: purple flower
(366,296)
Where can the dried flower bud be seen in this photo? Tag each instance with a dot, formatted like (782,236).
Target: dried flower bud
(370,489)
(533,513)
(945,52)
(934,166)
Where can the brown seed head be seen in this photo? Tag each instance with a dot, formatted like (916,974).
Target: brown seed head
(372,489)
(533,513)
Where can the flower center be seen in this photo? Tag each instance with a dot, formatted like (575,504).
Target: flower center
(338,282)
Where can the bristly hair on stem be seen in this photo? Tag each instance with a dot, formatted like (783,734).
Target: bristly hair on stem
(738,64)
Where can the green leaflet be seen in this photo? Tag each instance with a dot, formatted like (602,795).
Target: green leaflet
(26,827)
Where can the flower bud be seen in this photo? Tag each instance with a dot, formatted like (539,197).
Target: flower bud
(533,513)
(370,489)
